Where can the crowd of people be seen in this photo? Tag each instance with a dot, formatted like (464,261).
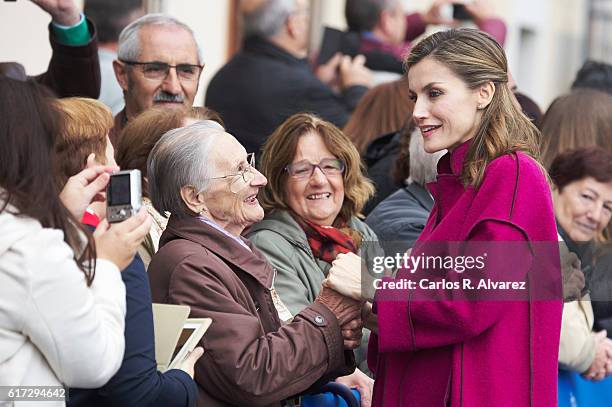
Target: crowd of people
(266,210)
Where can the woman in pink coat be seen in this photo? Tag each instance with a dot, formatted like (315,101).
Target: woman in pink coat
(467,346)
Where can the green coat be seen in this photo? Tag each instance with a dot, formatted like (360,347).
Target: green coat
(299,274)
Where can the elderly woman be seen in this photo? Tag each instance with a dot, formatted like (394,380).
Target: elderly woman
(582,196)
(208,182)
(133,148)
(315,191)
(84,141)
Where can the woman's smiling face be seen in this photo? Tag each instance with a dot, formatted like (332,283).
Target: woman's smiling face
(446,110)
(583,208)
(317,198)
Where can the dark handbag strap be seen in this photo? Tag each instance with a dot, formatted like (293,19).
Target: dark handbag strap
(341,390)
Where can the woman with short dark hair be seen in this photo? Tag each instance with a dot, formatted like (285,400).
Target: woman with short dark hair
(582,195)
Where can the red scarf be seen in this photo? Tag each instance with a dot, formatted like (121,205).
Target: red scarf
(326,242)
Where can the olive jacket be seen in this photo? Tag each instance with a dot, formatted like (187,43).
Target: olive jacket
(299,274)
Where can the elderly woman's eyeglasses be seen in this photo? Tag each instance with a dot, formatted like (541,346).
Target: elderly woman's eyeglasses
(305,169)
(246,174)
(160,70)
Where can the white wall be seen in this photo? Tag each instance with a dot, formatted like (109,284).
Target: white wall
(209,19)
(25,38)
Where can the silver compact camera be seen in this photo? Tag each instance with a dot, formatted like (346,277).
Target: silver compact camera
(123,195)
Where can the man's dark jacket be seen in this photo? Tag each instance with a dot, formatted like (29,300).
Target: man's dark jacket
(263,85)
(72,71)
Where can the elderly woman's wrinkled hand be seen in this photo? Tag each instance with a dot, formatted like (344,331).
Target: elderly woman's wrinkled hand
(344,308)
(345,276)
(352,333)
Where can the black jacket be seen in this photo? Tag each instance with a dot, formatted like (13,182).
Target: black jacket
(263,85)
(72,70)
(379,159)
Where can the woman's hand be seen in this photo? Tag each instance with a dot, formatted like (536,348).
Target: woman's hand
(85,187)
(370,320)
(345,276)
(361,382)
(187,365)
(598,369)
(119,242)
(352,333)
(344,308)
(63,12)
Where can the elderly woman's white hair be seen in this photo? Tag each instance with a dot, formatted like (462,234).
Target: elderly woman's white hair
(129,39)
(181,158)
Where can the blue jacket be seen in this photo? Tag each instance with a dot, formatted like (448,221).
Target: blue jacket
(138,383)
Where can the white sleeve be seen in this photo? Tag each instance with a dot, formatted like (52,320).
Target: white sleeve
(577,341)
(79,329)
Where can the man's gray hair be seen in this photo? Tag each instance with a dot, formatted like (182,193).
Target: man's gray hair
(129,40)
(181,157)
(268,19)
(423,165)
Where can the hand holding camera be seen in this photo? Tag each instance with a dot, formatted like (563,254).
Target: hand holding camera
(84,188)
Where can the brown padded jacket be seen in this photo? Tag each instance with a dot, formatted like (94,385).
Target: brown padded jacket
(250,358)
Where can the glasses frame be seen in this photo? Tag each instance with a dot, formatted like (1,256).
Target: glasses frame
(317,165)
(247,170)
(138,63)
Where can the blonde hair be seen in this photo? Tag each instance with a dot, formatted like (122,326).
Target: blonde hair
(85,126)
(279,151)
(477,59)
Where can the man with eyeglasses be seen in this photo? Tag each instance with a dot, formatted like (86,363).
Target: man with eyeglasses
(158,64)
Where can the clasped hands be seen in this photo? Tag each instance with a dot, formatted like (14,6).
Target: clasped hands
(341,293)
(601,367)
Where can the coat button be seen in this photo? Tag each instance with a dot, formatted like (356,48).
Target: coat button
(319,320)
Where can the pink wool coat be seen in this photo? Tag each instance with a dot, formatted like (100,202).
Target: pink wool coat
(474,353)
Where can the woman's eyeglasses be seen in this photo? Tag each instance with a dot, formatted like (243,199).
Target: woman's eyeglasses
(304,169)
(246,175)
(160,70)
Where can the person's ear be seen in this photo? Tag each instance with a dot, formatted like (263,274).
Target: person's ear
(193,200)
(121,73)
(485,95)
(293,26)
